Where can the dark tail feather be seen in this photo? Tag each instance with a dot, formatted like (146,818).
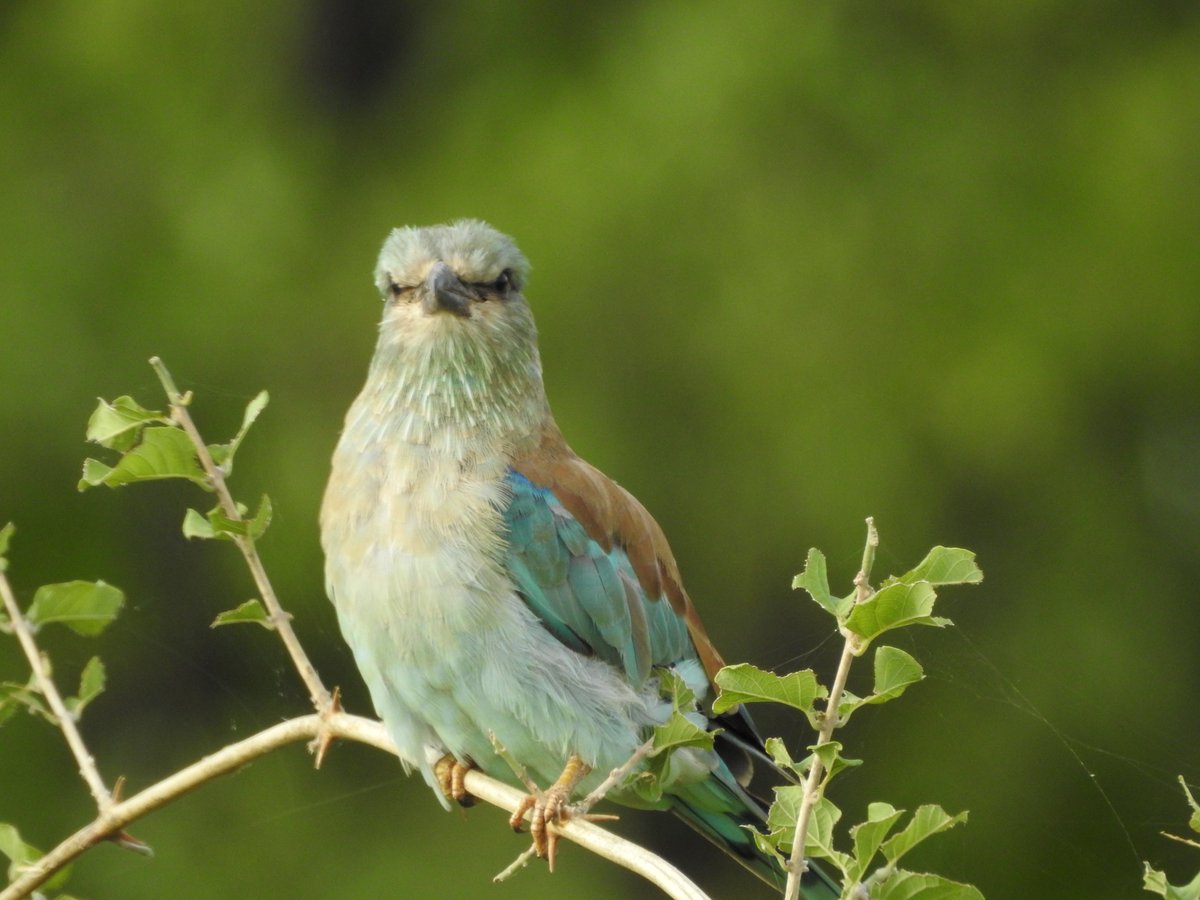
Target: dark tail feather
(718,807)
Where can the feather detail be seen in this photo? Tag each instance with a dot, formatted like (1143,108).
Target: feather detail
(612,516)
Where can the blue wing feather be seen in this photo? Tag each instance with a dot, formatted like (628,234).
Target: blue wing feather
(587,597)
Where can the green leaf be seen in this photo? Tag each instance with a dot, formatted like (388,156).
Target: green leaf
(660,772)
(196,525)
(21,855)
(672,686)
(164,452)
(1194,821)
(14,695)
(895,670)
(784,815)
(894,606)
(927,821)
(680,731)
(785,811)
(218,525)
(767,844)
(222,454)
(250,611)
(5,534)
(1156,882)
(943,565)
(86,607)
(780,755)
(91,686)
(815,580)
(921,886)
(868,835)
(837,765)
(828,753)
(744,683)
(118,424)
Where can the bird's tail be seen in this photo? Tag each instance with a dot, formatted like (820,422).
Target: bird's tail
(719,808)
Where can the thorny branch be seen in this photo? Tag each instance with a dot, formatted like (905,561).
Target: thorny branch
(345,727)
(66,721)
(862,592)
(322,700)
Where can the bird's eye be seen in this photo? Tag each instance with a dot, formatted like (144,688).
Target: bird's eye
(503,284)
(398,290)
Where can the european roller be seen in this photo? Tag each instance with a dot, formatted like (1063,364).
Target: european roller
(488,580)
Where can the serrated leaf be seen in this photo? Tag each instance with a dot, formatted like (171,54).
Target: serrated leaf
(837,765)
(91,686)
(262,519)
(922,886)
(659,771)
(943,565)
(827,753)
(744,683)
(927,821)
(219,526)
(1156,882)
(815,581)
(767,844)
(680,731)
(894,606)
(672,686)
(250,611)
(223,454)
(785,812)
(86,607)
(197,526)
(780,756)
(868,835)
(117,425)
(1194,821)
(164,452)
(895,670)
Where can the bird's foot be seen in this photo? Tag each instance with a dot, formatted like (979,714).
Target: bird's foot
(451,774)
(550,807)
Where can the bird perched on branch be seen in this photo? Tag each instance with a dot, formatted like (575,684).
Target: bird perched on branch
(488,580)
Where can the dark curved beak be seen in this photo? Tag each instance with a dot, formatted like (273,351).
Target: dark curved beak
(445,292)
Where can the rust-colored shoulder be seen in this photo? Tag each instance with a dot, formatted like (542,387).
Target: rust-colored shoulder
(613,517)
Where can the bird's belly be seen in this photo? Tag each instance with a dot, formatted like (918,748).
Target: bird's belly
(452,655)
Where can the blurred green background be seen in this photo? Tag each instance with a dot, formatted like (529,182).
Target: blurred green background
(794,264)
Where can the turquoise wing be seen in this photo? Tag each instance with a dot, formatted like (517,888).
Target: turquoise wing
(587,597)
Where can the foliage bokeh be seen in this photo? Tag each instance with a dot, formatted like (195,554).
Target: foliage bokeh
(794,264)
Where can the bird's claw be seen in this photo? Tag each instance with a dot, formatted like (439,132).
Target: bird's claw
(545,808)
(451,775)
(550,807)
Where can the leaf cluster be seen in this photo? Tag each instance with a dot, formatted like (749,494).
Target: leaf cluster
(870,865)
(1155,881)
(151,445)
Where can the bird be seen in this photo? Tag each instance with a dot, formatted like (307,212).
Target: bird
(492,585)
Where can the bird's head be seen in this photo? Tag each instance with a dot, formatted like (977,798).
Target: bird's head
(457,335)
(465,270)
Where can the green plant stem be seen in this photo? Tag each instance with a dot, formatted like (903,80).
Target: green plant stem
(322,700)
(66,721)
(862,591)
